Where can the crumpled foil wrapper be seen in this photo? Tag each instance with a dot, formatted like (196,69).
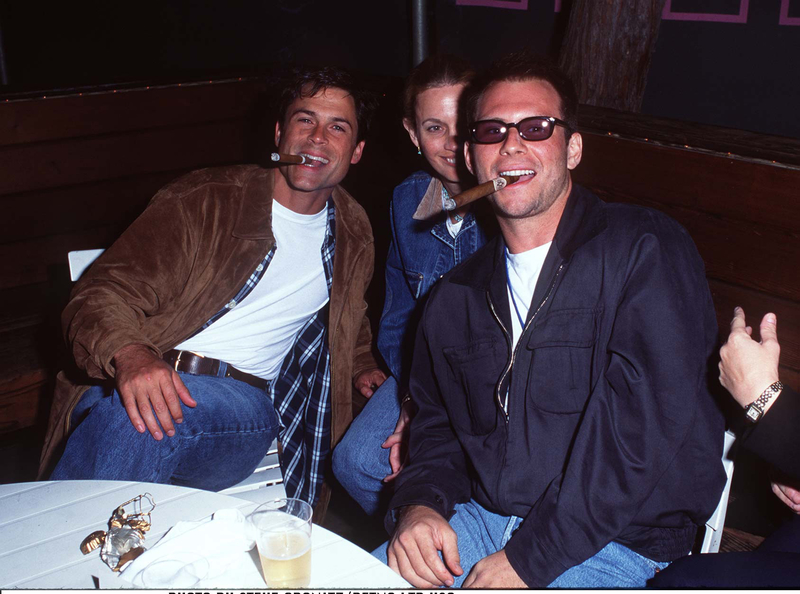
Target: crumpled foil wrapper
(119,541)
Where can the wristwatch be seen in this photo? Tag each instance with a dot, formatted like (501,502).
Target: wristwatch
(755,410)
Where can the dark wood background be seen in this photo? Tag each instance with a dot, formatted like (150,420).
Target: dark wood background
(75,171)
(741,206)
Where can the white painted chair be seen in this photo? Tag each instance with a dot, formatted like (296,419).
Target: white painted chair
(716,522)
(266,482)
(80,260)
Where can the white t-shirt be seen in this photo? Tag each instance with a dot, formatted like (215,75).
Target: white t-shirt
(258,332)
(454,228)
(523,272)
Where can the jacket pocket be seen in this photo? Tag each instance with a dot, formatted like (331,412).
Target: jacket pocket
(470,398)
(415,282)
(430,269)
(561,350)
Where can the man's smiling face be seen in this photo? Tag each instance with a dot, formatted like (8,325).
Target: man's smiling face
(323,128)
(543,165)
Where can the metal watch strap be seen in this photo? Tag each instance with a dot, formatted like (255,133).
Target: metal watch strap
(755,410)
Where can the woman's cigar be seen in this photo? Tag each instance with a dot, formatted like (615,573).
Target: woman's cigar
(291,159)
(479,191)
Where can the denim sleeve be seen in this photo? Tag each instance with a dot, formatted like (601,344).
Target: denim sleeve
(399,304)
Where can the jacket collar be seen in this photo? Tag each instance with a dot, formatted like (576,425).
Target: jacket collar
(583,218)
(255,215)
(431,203)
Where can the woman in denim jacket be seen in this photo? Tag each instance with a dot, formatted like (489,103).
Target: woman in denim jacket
(426,243)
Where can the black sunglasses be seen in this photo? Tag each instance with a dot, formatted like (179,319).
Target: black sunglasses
(533,128)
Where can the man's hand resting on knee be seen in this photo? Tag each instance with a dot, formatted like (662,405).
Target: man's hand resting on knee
(493,572)
(414,548)
(146,385)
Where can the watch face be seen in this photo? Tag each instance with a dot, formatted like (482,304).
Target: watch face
(753,413)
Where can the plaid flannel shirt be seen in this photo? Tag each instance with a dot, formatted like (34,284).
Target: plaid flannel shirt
(302,391)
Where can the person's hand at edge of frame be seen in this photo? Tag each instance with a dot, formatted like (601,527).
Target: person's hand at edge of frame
(788,494)
(748,367)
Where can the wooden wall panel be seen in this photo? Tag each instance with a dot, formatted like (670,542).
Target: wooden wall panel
(744,216)
(755,305)
(91,114)
(78,207)
(25,379)
(74,172)
(702,137)
(744,190)
(85,160)
(24,307)
(790,377)
(29,261)
(24,401)
(748,254)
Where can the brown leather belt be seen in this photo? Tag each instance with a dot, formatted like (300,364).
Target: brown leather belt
(196,365)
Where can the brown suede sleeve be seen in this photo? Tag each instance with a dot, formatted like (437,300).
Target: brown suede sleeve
(185,257)
(363,357)
(135,279)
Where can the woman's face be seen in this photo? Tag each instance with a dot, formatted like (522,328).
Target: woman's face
(434,131)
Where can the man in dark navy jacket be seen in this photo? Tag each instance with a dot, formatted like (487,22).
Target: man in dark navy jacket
(565,435)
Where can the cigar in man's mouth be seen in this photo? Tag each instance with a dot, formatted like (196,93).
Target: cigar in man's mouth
(290,159)
(479,191)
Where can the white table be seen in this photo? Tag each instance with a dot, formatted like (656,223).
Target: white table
(42,525)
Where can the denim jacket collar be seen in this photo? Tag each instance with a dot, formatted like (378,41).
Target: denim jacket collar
(431,203)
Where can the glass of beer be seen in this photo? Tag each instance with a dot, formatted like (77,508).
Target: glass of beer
(283,537)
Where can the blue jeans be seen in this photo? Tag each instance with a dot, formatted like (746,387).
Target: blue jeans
(482,533)
(218,444)
(359,461)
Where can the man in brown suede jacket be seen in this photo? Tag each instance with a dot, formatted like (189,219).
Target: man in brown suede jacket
(223,317)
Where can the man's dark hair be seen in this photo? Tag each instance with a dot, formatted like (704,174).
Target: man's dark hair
(308,82)
(522,66)
(438,70)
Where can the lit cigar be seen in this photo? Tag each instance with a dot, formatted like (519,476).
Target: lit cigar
(479,191)
(291,159)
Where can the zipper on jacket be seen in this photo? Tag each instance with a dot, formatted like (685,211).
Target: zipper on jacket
(510,339)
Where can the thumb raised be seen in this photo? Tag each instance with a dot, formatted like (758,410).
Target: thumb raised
(769,328)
